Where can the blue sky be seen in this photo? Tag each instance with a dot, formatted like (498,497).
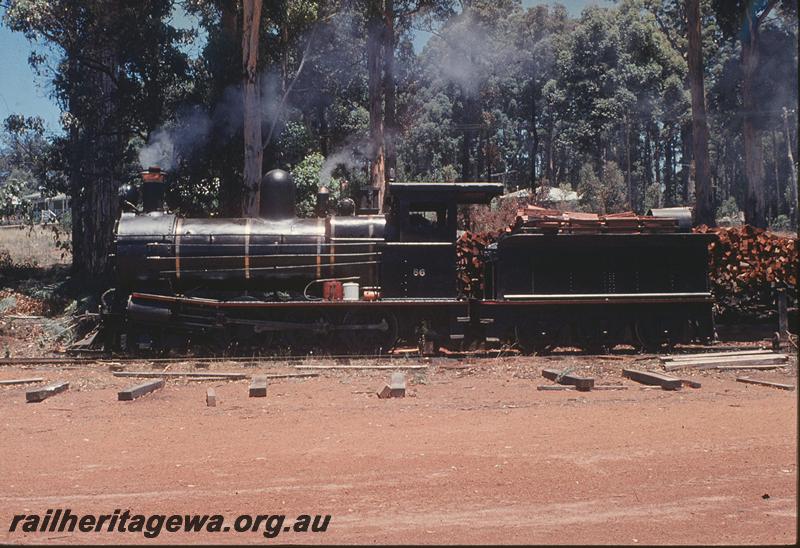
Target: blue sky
(22,92)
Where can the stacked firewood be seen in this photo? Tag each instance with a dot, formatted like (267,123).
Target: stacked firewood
(746,267)
(470,265)
(575,222)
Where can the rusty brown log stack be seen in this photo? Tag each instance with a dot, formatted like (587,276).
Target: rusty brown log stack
(747,266)
(469,261)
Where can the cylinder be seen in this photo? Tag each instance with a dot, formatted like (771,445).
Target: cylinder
(371,294)
(350,291)
(332,291)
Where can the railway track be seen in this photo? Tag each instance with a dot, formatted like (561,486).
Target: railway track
(296,359)
(63,360)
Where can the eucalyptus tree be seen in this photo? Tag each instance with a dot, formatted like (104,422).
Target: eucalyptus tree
(114,67)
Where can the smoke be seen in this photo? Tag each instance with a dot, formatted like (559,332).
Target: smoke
(348,157)
(336,45)
(470,51)
(169,144)
(196,127)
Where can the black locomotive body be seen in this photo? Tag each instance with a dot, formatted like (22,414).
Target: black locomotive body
(248,285)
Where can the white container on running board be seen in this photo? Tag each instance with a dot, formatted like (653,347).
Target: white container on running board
(350,291)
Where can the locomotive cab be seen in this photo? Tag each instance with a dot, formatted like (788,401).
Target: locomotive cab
(419,256)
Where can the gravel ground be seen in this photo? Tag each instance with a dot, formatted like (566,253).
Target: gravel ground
(472,454)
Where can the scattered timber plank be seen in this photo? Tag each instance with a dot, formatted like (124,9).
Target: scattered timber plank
(731,359)
(258,387)
(581,383)
(691,383)
(159,374)
(205,379)
(549,387)
(45,392)
(656,379)
(291,375)
(275,376)
(211,398)
(713,363)
(396,387)
(740,357)
(456,366)
(21,381)
(701,355)
(735,367)
(765,383)
(357,367)
(140,390)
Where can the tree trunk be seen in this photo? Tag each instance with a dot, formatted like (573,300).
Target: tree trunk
(377,176)
(253,151)
(230,173)
(549,160)
(466,144)
(669,170)
(686,162)
(628,161)
(96,152)
(792,170)
(704,204)
(389,90)
(534,136)
(656,159)
(754,210)
(647,157)
(774,202)
(480,153)
(324,138)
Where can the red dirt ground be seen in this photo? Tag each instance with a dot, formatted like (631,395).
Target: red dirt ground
(469,456)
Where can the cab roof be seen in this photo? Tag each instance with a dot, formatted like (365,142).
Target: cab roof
(462,193)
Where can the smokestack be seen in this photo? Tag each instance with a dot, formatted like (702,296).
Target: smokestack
(153,188)
(323,198)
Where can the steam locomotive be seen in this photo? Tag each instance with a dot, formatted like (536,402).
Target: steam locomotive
(362,283)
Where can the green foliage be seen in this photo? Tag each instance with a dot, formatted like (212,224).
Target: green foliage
(729,209)
(526,96)
(781,223)
(606,195)
(652,197)
(306,180)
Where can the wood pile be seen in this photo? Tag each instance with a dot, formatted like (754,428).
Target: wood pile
(541,219)
(746,267)
(725,361)
(469,261)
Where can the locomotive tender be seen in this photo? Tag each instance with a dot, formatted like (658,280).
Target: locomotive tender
(362,283)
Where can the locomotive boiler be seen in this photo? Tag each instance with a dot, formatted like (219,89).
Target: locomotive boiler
(361,283)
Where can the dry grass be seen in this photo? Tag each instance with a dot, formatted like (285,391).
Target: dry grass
(32,245)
